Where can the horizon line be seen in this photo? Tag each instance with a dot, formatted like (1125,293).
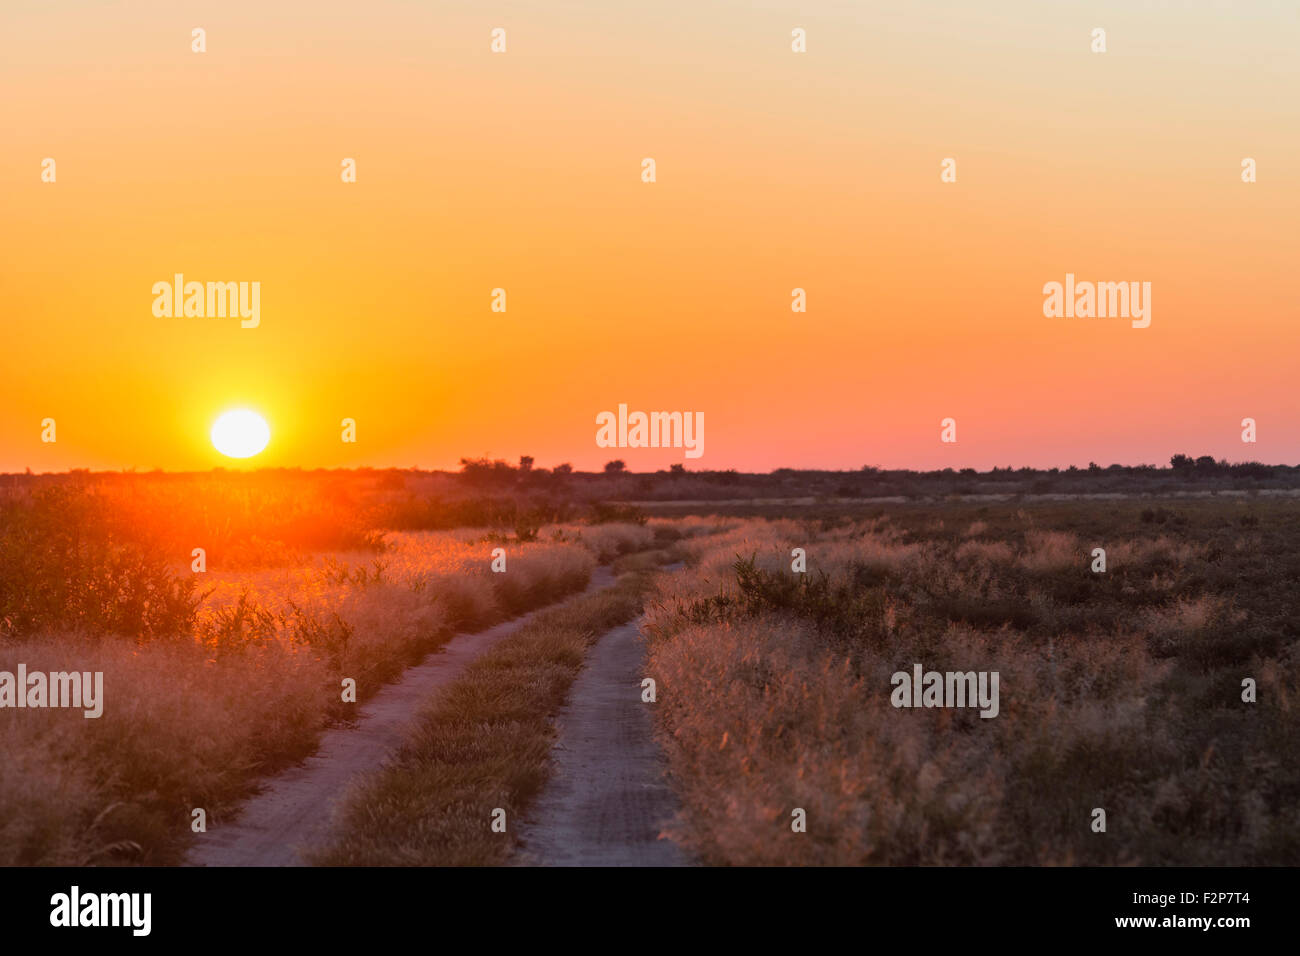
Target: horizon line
(501,465)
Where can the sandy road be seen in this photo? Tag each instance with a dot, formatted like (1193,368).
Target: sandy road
(607,798)
(293,811)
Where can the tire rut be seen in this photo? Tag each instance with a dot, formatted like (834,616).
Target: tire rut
(607,799)
(293,810)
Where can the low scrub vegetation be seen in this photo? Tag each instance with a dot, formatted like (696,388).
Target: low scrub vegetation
(199,704)
(1120,690)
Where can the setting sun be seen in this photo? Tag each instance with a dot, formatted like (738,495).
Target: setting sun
(240,434)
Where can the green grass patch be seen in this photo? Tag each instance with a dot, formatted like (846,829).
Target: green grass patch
(484,743)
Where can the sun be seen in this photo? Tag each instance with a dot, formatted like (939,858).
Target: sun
(240,433)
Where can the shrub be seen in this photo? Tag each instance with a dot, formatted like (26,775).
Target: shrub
(65,563)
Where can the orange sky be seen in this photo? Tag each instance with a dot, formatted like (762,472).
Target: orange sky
(775,170)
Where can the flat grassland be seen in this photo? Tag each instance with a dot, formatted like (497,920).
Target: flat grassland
(1120,690)
(216,678)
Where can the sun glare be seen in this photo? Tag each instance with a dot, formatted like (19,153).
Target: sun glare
(240,434)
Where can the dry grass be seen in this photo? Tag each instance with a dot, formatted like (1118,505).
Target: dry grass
(1051,551)
(1119,691)
(193,720)
(484,744)
(607,541)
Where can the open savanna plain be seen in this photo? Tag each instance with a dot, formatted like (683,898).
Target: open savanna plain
(214,679)
(1120,690)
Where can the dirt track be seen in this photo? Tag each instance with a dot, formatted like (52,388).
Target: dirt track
(293,811)
(607,798)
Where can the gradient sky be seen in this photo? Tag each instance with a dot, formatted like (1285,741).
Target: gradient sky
(775,170)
